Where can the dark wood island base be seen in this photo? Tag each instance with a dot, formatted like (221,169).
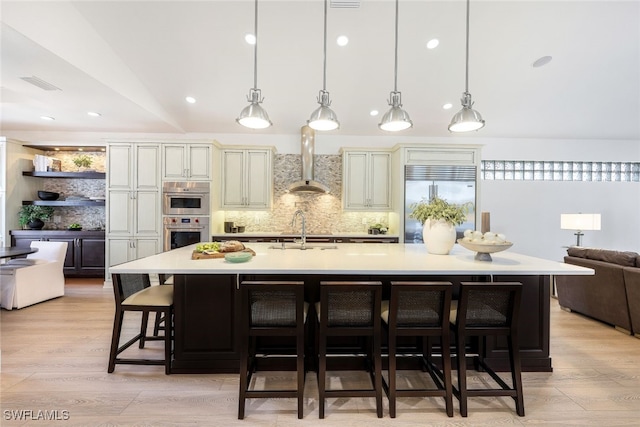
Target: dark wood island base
(207,312)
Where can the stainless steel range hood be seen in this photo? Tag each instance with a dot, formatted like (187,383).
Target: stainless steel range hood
(307,183)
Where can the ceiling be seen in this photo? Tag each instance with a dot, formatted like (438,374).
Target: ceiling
(135,61)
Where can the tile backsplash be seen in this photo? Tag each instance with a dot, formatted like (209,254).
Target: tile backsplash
(90,217)
(323,212)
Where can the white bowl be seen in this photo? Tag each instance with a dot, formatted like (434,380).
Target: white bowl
(484,249)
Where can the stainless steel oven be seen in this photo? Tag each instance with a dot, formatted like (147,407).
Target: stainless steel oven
(184,231)
(185,198)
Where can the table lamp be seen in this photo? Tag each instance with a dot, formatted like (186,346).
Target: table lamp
(579,222)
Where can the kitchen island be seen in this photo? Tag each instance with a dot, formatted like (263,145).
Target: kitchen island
(206,296)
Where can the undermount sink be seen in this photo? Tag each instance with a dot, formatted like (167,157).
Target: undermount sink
(299,247)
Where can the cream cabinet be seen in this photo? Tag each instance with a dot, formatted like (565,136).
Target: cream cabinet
(134,216)
(190,162)
(247,178)
(366,180)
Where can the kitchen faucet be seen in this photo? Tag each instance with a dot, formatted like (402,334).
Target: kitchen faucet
(303,234)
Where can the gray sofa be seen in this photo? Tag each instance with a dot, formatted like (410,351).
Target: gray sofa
(612,295)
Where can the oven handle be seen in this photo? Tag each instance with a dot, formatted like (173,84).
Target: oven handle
(185,228)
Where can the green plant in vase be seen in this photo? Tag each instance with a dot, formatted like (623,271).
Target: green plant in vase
(439,219)
(82,161)
(33,216)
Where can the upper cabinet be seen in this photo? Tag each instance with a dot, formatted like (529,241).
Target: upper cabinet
(190,162)
(134,190)
(366,180)
(247,178)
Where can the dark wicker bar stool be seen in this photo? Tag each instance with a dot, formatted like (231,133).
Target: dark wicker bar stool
(419,309)
(350,309)
(270,309)
(133,292)
(486,309)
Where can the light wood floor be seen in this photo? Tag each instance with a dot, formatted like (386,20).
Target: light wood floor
(54,359)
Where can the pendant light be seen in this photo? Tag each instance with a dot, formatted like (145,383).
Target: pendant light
(466,119)
(396,118)
(323,118)
(253,115)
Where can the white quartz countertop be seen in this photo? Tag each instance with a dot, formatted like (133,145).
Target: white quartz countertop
(350,258)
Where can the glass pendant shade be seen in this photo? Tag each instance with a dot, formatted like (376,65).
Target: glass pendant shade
(253,115)
(466,119)
(396,118)
(323,118)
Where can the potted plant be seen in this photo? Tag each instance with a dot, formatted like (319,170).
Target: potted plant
(377,229)
(33,216)
(439,219)
(82,161)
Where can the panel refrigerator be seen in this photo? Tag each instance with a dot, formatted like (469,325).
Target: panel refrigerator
(455,184)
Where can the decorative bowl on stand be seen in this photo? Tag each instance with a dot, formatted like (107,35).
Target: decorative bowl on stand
(484,250)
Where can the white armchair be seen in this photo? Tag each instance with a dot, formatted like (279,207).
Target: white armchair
(37,278)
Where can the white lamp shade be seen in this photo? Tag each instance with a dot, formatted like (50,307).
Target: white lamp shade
(580,221)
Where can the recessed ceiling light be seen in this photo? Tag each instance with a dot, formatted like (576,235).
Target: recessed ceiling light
(250,38)
(433,43)
(373,113)
(93,114)
(447,106)
(47,118)
(342,40)
(542,61)
(190,99)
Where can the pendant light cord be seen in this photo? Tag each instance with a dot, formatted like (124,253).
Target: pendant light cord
(395,70)
(255,47)
(466,77)
(324,70)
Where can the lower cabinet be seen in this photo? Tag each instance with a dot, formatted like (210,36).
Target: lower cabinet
(85,249)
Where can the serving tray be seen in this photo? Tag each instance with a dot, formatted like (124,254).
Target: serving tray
(202,255)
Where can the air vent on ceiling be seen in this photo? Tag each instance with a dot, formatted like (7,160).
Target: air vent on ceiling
(345,4)
(37,81)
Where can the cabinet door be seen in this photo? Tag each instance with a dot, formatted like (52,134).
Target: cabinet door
(119,251)
(147,213)
(91,256)
(145,247)
(119,171)
(199,165)
(147,167)
(120,213)
(380,181)
(355,181)
(258,182)
(174,162)
(232,178)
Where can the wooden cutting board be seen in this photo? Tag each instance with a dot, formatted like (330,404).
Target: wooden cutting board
(202,255)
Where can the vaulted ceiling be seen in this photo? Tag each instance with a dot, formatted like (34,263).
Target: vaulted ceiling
(134,62)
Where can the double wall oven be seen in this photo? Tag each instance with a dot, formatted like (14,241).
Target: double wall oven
(186,210)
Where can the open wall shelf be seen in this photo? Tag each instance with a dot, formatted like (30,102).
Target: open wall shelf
(74,175)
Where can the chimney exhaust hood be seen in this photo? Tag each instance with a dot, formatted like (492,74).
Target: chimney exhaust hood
(307,183)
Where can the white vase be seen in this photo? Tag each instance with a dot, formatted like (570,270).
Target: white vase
(439,236)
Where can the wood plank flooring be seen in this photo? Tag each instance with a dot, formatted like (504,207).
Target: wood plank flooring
(54,364)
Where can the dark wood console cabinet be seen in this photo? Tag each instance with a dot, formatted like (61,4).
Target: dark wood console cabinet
(85,249)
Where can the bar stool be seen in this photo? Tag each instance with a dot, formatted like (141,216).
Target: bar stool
(350,309)
(488,309)
(419,309)
(270,309)
(133,292)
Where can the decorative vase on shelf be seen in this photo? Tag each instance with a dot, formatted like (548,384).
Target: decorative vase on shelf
(439,236)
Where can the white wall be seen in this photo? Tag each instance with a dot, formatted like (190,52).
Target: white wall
(528,212)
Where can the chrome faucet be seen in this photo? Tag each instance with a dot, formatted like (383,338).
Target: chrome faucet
(303,234)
